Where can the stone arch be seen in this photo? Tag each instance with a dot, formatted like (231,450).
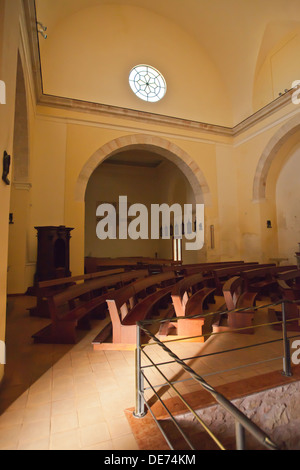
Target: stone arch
(18,279)
(21,130)
(158,145)
(268,156)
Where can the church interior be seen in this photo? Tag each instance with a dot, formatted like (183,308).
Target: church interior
(187,104)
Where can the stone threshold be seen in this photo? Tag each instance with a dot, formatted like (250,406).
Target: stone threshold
(147,433)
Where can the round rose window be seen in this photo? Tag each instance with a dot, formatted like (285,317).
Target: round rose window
(147,83)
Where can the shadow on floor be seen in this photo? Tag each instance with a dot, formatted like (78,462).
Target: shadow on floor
(26,361)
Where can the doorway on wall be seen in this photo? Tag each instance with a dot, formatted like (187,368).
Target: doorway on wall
(287,207)
(147,178)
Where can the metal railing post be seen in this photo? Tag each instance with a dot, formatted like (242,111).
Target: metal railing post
(286,345)
(140,410)
(240,436)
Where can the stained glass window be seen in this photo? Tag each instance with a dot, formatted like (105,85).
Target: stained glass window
(147,83)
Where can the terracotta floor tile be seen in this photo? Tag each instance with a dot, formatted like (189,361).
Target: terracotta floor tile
(63,406)
(94,434)
(64,422)
(107,445)
(118,427)
(126,442)
(12,418)
(34,431)
(42,444)
(9,437)
(69,440)
(88,416)
(87,401)
(37,413)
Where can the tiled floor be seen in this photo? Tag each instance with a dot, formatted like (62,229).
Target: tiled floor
(71,397)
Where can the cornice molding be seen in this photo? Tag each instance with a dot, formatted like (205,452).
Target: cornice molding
(131,114)
(267,111)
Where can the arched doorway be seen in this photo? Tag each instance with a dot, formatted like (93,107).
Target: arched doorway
(268,156)
(145,178)
(160,148)
(288,205)
(278,212)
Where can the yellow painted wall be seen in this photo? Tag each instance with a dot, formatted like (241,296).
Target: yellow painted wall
(239,223)
(257,241)
(90,54)
(61,149)
(9,34)
(278,71)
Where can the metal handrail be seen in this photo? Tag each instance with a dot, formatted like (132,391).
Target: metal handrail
(242,421)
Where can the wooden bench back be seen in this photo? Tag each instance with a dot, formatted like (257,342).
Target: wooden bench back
(289,275)
(232,284)
(283,285)
(264,272)
(83,277)
(216,263)
(126,293)
(232,270)
(203,266)
(186,283)
(231,291)
(98,264)
(121,302)
(179,292)
(74,292)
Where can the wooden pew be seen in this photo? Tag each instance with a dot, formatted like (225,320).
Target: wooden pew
(99,264)
(73,307)
(289,287)
(185,288)
(236,298)
(191,283)
(291,277)
(204,276)
(102,264)
(194,289)
(47,288)
(232,290)
(196,305)
(253,283)
(124,331)
(221,275)
(189,269)
(263,279)
(125,308)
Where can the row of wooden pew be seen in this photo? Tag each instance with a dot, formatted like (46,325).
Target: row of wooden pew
(72,301)
(92,264)
(124,297)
